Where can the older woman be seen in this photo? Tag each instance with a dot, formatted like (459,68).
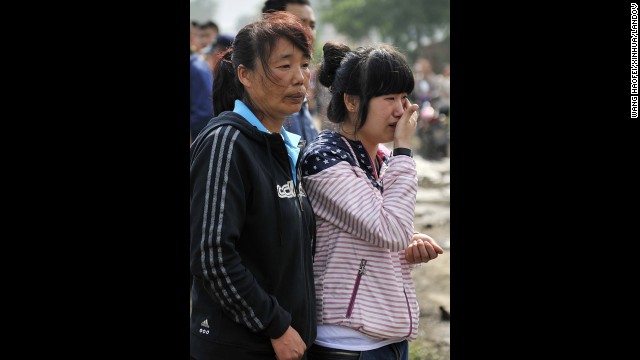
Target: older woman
(252,226)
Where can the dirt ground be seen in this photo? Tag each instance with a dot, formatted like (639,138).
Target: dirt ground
(432,279)
(432,287)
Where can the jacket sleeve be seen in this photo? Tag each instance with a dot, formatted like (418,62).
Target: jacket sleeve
(343,195)
(218,208)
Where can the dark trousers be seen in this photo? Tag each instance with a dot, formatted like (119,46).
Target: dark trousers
(395,351)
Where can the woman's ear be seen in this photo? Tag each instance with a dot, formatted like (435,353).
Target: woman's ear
(351,102)
(245,76)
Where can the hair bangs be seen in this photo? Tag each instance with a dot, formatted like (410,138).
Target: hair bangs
(391,75)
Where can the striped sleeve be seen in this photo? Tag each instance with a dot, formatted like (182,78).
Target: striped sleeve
(344,196)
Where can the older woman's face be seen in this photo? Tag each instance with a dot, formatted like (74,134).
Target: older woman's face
(290,70)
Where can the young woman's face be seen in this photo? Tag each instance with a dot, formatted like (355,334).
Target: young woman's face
(383,114)
(290,70)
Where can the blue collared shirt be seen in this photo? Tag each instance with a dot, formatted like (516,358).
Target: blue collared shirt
(301,123)
(291,140)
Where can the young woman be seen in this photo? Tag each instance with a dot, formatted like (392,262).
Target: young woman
(364,200)
(252,226)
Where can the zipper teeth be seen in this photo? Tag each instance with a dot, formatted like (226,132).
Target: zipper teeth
(297,181)
(361,271)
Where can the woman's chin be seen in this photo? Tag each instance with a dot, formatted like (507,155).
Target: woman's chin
(293,108)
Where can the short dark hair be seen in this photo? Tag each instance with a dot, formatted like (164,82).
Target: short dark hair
(209,25)
(280,5)
(223,41)
(365,72)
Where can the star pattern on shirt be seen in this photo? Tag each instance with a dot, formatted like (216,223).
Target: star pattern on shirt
(329,148)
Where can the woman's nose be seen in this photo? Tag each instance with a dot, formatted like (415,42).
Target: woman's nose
(299,75)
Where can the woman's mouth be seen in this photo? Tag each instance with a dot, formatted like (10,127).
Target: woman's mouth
(298,97)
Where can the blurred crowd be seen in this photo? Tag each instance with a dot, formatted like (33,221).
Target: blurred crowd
(431,92)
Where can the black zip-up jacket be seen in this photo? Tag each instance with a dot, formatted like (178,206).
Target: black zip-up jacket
(252,240)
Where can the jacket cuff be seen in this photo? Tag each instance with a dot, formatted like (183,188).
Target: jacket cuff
(279,325)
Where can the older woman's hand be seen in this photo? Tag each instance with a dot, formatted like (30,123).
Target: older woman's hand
(422,249)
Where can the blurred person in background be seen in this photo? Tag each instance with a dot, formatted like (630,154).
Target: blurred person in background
(444,83)
(221,44)
(300,8)
(194,41)
(301,122)
(252,226)
(364,197)
(207,33)
(432,91)
(426,86)
(200,87)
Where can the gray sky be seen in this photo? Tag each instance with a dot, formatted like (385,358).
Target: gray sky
(230,11)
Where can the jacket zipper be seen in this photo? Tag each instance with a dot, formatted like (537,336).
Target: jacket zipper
(297,184)
(361,271)
(298,179)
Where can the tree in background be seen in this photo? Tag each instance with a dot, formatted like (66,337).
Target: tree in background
(409,25)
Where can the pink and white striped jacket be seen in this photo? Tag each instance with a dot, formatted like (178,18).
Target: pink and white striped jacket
(364,223)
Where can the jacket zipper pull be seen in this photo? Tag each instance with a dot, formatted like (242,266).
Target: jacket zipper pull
(301,144)
(361,271)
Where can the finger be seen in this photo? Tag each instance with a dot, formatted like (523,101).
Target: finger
(413,120)
(417,254)
(435,246)
(411,110)
(426,254)
(430,251)
(436,250)
(408,254)
(427,251)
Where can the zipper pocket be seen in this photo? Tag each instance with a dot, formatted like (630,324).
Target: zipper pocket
(361,271)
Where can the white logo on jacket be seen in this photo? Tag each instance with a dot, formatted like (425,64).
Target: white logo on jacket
(205,323)
(286,190)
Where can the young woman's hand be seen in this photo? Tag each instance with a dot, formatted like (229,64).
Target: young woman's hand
(422,249)
(406,126)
